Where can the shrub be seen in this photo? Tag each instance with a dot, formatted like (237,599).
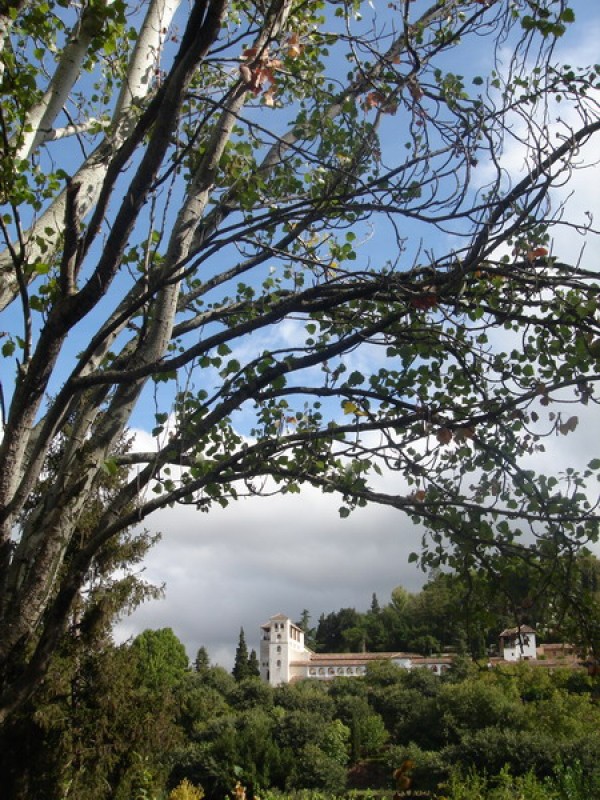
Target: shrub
(573,782)
(490,749)
(504,786)
(314,769)
(430,768)
(186,791)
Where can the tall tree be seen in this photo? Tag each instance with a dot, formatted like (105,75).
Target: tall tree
(240,665)
(202,660)
(309,632)
(253,665)
(340,631)
(204,213)
(61,737)
(375,607)
(161,658)
(573,614)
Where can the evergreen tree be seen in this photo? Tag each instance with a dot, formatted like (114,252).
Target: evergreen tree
(253,665)
(375,607)
(309,633)
(375,633)
(162,659)
(240,666)
(304,621)
(202,662)
(340,631)
(62,735)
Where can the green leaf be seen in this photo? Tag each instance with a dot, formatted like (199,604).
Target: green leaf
(109,467)
(232,366)
(8,348)
(355,378)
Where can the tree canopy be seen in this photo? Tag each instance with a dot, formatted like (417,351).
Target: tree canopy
(288,230)
(130,733)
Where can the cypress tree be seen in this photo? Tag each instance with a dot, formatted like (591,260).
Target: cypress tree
(202,662)
(253,665)
(240,666)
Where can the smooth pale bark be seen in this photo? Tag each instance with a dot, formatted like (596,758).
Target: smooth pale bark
(9,10)
(41,549)
(40,119)
(138,85)
(67,313)
(164,306)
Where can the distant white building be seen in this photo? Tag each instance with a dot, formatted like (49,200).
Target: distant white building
(518,644)
(281,646)
(285,658)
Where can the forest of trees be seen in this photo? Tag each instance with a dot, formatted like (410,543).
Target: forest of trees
(136,720)
(465,612)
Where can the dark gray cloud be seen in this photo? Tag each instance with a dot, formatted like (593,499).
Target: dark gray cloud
(236,567)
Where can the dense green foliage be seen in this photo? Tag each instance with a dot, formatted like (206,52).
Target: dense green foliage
(296,231)
(119,721)
(465,612)
(246,663)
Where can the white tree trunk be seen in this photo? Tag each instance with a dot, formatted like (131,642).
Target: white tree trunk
(137,85)
(40,120)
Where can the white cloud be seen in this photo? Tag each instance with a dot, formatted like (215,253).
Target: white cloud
(579,191)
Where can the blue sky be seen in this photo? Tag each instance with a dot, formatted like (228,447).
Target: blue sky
(238,566)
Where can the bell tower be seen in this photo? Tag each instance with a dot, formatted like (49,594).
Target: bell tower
(281,643)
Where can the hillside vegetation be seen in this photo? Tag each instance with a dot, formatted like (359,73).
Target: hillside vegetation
(135,721)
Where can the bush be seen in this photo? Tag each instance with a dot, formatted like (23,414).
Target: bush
(186,791)
(314,769)
(573,783)
(504,786)
(567,783)
(430,769)
(490,749)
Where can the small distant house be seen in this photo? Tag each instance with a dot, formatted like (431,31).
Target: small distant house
(518,644)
